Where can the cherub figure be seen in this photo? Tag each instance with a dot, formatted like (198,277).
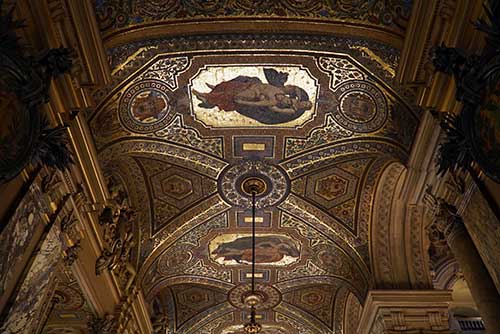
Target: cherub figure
(269,103)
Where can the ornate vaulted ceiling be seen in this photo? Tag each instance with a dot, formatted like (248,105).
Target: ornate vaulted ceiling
(318,118)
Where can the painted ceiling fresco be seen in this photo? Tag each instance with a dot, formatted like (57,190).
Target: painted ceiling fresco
(116,14)
(180,131)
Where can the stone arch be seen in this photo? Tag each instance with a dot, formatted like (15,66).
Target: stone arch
(398,237)
(384,230)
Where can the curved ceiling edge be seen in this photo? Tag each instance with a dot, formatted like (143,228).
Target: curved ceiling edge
(252,26)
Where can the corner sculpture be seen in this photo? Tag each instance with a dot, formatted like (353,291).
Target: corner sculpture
(116,221)
(24,87)
(474,134)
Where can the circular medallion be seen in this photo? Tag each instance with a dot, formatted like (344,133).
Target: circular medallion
(334,261)
(251,185)
(68,298)
(145,107)
(268,296)
(175,261)
(237,181)
(362,107)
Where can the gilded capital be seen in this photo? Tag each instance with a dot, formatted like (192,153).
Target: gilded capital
(446,219)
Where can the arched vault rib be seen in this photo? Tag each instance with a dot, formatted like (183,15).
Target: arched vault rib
(324,156)
(175,254)
(398,239)
(312,221)
(294,284)
(182,156)
(186,279)
(383,245)
(190,305)
(300,316)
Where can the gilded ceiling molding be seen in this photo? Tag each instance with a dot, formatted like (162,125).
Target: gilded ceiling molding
(215,324)
(355,241)
(184,130)
(295,324)
(340,309)
(312,216)
(366,205)
(307,218)
(208,209)
(303,282)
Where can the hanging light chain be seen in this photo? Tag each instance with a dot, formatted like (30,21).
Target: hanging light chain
(253,241)
(253,186)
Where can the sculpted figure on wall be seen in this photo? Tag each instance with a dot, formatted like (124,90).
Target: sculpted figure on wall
(115,220)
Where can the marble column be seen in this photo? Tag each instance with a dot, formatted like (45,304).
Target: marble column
(478,279)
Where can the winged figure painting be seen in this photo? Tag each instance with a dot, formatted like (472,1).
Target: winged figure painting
(268,103)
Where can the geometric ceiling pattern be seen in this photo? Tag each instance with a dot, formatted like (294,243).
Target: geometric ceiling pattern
(180,131)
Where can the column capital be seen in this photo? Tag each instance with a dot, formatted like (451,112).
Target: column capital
(405,311)
(447,220)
